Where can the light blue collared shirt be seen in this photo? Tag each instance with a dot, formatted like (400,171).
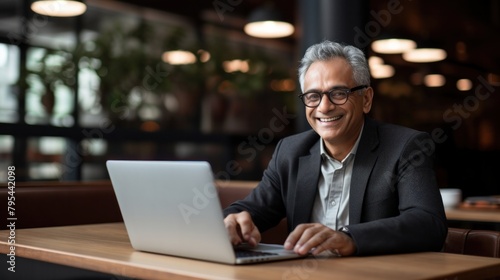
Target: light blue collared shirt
(331,206)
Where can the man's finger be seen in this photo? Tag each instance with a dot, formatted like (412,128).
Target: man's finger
(232,229)
(249,231)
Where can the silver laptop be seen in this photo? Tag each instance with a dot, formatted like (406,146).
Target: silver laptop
(172,208)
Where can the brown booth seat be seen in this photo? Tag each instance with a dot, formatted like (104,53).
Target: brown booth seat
(473,242)
(44,204)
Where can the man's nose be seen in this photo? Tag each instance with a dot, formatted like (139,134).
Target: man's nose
(325,104)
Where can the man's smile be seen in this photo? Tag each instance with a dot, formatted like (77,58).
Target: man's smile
(330,119)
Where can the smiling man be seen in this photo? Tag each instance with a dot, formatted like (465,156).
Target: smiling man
(351,185)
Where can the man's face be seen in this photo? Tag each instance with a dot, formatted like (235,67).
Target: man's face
(336,124)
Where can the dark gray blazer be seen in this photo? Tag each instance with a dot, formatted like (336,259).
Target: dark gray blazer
(395,205)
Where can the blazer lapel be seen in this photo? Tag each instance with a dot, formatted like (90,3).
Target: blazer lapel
(366,156)
(306,186)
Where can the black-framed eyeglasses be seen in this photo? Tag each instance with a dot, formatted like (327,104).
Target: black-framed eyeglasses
(337,96)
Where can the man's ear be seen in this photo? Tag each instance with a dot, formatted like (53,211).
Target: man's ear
(367,100)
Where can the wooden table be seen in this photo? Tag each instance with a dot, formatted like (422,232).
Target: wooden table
(106,248)
(459,214)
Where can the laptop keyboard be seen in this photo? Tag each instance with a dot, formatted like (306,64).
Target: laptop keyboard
(247,253)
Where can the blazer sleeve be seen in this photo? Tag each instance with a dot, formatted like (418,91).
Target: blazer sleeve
(402,208)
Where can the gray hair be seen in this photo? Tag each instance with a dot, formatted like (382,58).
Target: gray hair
(327,50)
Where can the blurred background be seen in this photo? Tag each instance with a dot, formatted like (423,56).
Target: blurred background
(190,80)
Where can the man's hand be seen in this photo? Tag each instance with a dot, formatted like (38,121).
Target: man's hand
(319,238)
(242,229)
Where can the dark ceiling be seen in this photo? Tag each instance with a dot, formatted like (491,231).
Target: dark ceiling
(468,30)
(193,8)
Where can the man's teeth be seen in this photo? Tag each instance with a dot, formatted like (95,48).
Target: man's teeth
(330,119)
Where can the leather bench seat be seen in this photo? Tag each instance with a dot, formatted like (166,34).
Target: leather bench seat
(484,243)
(46,204)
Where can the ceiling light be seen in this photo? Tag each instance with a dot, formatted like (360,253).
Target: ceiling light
(266,22)
(381,71)
(464,84)
(375,60)
(178,57)
(393,45)
(59,8)
(424,55)
(434,80)
(283,85)
(269,29)
(236,65)
(204,55)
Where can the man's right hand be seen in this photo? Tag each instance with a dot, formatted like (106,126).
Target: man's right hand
(242,229)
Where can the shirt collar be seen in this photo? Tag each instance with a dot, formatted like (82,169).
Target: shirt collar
(324,154)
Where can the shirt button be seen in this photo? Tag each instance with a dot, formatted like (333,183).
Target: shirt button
(332,203)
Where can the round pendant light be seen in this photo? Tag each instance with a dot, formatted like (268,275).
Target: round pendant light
(266,22)
(178,57)
(434,80)
(393,45)
(59,8)
(424,55)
